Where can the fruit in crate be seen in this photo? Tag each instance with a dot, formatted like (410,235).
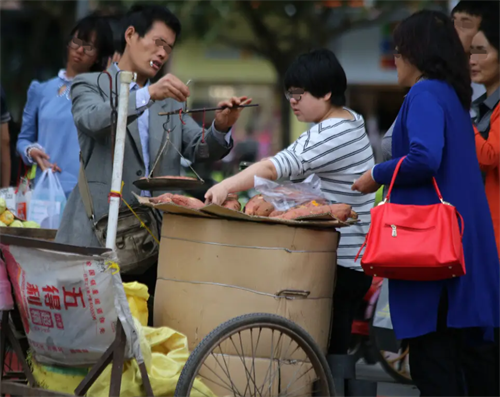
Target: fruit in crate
(2,224)
(3,205)
(16,223)
(7,217)
(31,225)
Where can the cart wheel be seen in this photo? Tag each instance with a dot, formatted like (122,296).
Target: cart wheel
(256,355)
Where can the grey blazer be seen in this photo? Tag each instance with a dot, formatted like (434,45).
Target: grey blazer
(92,114)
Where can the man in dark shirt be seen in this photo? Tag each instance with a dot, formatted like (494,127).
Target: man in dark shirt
(5,164)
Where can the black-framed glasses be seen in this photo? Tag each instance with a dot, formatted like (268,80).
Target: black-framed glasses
(161,43)
(295,93)
(75,43)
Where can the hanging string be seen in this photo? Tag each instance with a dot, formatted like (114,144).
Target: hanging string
(113,193)
(180,117)
(140,220)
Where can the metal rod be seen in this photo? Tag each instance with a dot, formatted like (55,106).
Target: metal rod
(203,109)
(116,180)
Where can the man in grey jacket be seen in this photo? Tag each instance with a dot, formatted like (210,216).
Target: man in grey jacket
(148,40)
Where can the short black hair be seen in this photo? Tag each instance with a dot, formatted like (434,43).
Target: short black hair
(89,25)
(429,41)
(318,72)
(489,27)
(142,17)
(476,8)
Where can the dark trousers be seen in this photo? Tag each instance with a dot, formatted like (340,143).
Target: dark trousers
(351,287)
(441,363)
(497,357)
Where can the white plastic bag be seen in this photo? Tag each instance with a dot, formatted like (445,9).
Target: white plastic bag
(47,201)
(23,198)
(382,323)
(288,194)
(9,195)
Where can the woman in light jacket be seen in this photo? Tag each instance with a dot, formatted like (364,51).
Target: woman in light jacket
(48,134)
(434,131)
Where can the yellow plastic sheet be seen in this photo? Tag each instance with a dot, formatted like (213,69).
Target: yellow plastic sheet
(165,352)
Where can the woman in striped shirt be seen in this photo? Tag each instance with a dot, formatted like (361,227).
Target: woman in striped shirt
(338,151)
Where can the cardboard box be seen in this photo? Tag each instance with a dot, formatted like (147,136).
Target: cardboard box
(211,270)
(225,373)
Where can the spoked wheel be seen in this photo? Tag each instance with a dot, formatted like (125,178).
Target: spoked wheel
(397,364)
(256,355)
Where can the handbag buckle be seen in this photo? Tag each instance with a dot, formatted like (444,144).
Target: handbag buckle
(445,203)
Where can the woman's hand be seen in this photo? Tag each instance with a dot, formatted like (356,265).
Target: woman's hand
(216,194)
(42,159)
(365,184)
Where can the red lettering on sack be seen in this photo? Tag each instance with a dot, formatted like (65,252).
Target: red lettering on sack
(51,297)
(89,263)
(41,317)
(33,295)
(99,311)
(92,272)
(59,321)
(71,298)
(102,330)
(97,301)
(95,291)
(101,320)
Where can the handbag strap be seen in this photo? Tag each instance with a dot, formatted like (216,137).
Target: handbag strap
(83,186)
(398,166)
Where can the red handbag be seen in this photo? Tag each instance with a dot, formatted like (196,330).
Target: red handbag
(414,242)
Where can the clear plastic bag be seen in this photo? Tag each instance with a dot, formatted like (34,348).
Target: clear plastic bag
(288,194)
(47,201)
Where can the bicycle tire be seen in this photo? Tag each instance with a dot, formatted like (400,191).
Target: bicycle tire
(289,328)
(385,365)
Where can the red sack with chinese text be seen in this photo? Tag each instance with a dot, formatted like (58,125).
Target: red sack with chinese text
(66,302)
(414,242)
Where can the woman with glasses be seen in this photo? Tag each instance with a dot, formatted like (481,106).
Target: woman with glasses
(439,319)
(48,134)
(338,151)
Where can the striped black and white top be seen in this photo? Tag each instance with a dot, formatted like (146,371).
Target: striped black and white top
(338,151)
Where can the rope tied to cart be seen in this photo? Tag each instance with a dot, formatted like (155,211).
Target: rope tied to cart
(113,193)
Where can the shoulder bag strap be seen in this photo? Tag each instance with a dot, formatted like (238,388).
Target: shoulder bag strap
(83,186)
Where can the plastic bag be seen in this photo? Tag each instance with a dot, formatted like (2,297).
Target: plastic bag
(9,195)
(382,324)
(47,201)
(288,194)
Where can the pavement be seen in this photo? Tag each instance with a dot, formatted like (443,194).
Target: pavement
(386,386)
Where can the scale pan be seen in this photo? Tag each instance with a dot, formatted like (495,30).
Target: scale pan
(168,182)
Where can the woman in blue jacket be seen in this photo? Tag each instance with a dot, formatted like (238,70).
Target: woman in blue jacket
(433,130)
(48,134)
